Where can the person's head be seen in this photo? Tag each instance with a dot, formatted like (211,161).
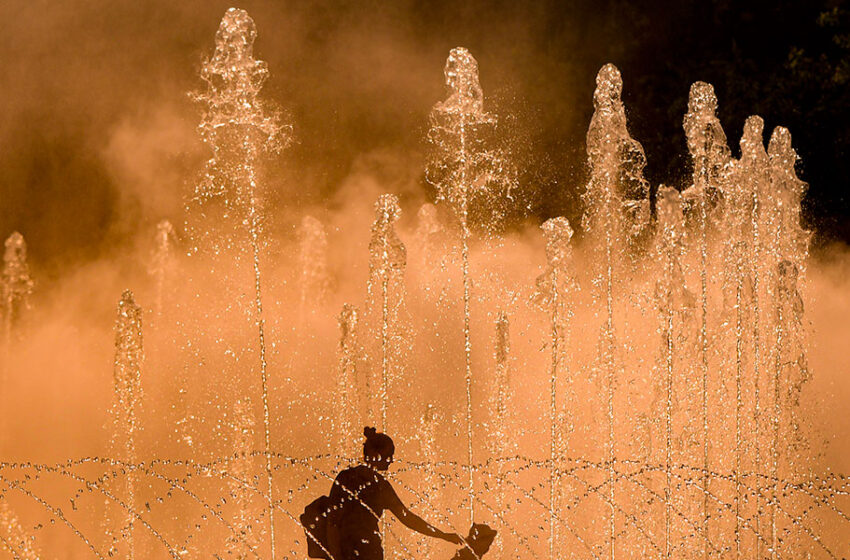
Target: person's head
(378,449)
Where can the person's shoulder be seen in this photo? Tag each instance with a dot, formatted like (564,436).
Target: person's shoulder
(356,472)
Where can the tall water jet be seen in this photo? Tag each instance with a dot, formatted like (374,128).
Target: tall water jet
(348,397)
(127,382)
(673,303)
(17,283)
(385,293)
(313,263)
(238,128)
(615,213)
(499,394)
(787,191)
(163,261)
(744,263)
(787,255)
(711,159)
(555,288)
(464,170)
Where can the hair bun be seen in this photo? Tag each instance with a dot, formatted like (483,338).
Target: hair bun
(369,431)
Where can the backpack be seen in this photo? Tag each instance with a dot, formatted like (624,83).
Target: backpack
(315,522)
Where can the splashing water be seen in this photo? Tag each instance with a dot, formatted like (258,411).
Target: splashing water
(644,396)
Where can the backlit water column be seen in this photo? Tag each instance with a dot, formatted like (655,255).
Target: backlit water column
(672,302)
(463,169)
(501,420)
(238,128)
(127,380)
(710,155)
(385,293)
(789,372)
(615,209)
(348,421)
(555,287)
(17,283)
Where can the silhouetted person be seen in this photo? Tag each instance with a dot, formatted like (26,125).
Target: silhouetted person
(358,498)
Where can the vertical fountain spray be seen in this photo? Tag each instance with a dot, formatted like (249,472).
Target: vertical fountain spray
(163,261)
(462,169)
(237,127)
(17,284)
(387,262)
(127,379)
(499,405)
(554,287)
(710,156)
(790,250)
(347,401)
(672,300)
(613,200)
(744,209)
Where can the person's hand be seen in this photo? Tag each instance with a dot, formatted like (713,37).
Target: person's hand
(453,538)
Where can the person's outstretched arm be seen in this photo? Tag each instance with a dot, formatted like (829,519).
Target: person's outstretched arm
(413,521)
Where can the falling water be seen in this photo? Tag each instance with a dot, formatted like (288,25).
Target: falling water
(499,405)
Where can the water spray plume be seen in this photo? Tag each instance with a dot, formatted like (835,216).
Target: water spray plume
(616,212)
(349,386)
(555,290)
(385,294)
(464,171)
(238,128)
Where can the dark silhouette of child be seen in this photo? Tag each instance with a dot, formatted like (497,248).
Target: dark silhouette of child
(357,500)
